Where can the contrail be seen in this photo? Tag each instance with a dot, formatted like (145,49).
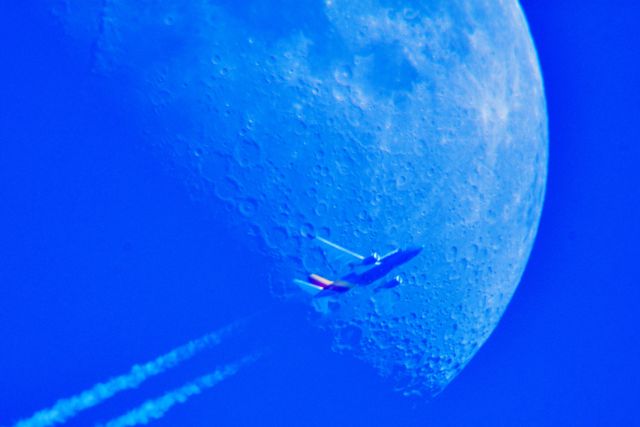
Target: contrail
(69,407)
(154,409)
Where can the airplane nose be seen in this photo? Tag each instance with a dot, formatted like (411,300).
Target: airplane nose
(414,251)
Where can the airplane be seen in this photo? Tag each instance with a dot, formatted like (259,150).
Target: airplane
(365,271)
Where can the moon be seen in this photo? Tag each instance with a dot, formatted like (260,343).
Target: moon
(374,123)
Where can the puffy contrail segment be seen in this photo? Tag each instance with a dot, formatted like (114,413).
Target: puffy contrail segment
(154,409)
(67,408)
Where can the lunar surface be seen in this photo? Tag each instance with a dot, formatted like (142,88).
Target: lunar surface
(374,123)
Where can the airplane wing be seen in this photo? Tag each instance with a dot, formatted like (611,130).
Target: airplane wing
(340,248)
(389,254)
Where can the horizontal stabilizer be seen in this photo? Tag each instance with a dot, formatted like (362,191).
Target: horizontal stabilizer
(309,288)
